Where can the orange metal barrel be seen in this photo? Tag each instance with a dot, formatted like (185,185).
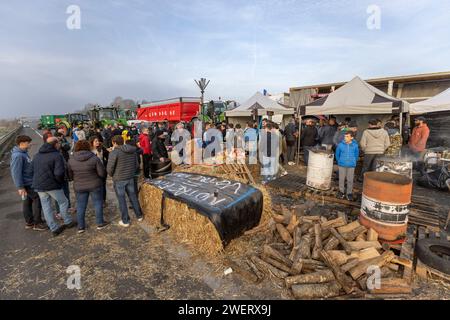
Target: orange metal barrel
(385,204)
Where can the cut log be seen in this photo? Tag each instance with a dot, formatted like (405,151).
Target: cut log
(342,241)
(335,223)
(372,235)
(274,254)
(350,264)
(276,263)
(316,291)
(350,236)
(284,234)
(297,267)
(361,237)
(278,218)
(360,245)
(292,224)
(392,286)
(325,235)
(345,281)
(248,275)
(305,227)
(402,261)
(252,266)
(380,261)
(310,219)
(342,215)
(318,241)
(316,277)
(349,227)
(331,244)
(267,268)
(305,247)
(296,244)
(341,257)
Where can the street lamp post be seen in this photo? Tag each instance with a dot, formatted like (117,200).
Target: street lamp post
(202,84)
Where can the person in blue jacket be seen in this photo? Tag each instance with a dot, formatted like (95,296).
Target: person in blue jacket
(22,175)
(347,154)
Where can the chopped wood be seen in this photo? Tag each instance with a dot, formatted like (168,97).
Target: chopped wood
(350,264)
(392,286)
(278,218)
(361,237)
(276,263)
(335,223)
(267,268)
(316,277)
(342,215)
(284,234)
(380,261)
(318,242)
(345,281)
(393,267)
(316,291)
(270,252)
(249,275)
(402,261)
(350,236)
(359,245)
(252,266)
(331,244)
(349,227)
(304,227)
(325,235)
(372,235)
(309,219)
(341,240)
(305,247)
(341,257)
(292,224)
(297,267)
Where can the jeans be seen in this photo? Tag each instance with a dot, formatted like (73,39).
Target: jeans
(127,187)
(32,207)
(369,163)
(82,202)
(349,174)
(66,193)
(46,201)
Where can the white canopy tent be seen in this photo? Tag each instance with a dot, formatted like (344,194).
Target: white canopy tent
(440,102)
(355,97)
(262,103)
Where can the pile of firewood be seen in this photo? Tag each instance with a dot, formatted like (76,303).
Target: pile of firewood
(316,257)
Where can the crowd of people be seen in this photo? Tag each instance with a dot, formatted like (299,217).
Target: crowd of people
(119,152)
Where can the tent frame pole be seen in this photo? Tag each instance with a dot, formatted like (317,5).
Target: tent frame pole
(299,137)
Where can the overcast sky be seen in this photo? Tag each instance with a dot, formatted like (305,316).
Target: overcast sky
(153,50)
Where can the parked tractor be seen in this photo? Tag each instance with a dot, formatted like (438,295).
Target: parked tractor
(53,122)
(103,116)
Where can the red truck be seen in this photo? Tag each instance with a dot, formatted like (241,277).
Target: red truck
(172,110)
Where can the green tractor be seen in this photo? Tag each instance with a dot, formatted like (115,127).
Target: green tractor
(103,116)
(213,111)
(53,122)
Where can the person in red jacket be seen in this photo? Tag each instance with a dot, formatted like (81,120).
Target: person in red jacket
(146,146)
(418,141)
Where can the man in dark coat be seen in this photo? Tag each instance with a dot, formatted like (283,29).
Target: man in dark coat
(291,134)
(122,167)
(49,172)
(309,138)
(158,146)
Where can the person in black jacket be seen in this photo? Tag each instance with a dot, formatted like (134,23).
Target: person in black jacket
(308,138)
(49,173)
(158,147)
(88,173)
(122,167)
(291,134)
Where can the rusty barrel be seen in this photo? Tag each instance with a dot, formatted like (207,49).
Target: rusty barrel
(320,169)
(385,205)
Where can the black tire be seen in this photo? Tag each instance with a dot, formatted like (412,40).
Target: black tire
(430,251)
(161,167)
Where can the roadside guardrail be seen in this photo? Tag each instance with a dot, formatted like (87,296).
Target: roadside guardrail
(7,140)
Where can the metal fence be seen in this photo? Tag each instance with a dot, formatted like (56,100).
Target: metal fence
(7,140)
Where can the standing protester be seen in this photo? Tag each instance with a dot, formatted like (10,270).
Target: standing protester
(326,133)
(418,142)
(22,174)
(64,148)
(48,178)
(309,138)
(374,142)
(122,166)
(268,144)
(145,144)
(276,130)
(107,136)
(251,141)
(138,169)
(291,133)
(102,153)
(159,149)
(88,173)
(347,154)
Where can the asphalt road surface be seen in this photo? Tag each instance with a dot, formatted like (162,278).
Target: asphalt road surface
(115,263)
